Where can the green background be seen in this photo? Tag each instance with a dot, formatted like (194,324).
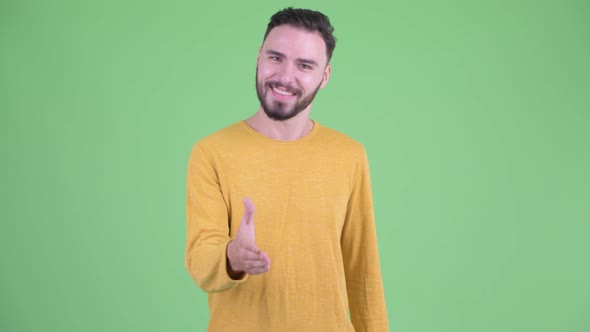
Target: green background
(475,116)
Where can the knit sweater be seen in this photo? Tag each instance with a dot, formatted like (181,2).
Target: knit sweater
(314,218)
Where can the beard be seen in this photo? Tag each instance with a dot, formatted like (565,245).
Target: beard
(277,110)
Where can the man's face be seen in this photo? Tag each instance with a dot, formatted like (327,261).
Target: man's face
(292,67)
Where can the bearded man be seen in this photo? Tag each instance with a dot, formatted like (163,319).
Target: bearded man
(312,264)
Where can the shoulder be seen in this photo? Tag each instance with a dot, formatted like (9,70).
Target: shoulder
(223,135)
(223,138)
(217,142)
(340,141)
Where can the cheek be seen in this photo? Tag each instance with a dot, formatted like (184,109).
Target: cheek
(264,72)
(311,82)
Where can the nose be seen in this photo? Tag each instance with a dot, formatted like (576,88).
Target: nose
(287,73)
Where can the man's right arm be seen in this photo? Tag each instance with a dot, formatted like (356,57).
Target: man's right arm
(207,226)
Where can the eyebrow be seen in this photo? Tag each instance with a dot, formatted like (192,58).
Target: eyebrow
(307,61)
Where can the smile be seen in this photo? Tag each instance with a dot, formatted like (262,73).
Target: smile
(282,92)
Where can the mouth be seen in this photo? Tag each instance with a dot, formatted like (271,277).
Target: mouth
(282,93)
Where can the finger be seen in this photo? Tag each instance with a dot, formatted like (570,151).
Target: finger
(255,262)
(256,265)
(251,256)
(265,257)
(258,270)
(251,248)
(248,210)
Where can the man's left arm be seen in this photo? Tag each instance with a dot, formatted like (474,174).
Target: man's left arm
(361,256)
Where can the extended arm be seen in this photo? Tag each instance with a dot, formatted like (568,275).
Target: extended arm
(207,226)
(215,261)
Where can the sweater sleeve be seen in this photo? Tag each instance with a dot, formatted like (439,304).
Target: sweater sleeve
(207,225)
(361,256)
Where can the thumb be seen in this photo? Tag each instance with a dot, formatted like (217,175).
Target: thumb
(248,217)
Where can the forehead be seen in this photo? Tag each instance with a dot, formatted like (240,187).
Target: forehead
(296,43)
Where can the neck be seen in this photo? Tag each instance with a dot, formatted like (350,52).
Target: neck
(288,130)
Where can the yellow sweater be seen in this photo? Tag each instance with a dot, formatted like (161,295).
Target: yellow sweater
(314,219)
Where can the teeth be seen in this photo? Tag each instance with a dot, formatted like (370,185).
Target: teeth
(282,92)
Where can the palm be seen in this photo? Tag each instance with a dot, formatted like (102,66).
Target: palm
(243,254)
(246,235)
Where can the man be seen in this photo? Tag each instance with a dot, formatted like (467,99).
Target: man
(313,258)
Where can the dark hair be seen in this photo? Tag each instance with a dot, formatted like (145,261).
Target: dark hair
(309,20)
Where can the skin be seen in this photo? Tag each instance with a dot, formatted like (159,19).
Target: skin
(293,61)
(242,253)
(289,70)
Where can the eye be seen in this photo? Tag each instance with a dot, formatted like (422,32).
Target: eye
(275,58)
(305,66)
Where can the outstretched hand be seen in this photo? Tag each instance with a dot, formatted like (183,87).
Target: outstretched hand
(242,253)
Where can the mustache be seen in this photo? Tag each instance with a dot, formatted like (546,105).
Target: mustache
(290,88)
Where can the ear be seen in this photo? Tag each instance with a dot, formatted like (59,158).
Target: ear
(326,77)
(259,52)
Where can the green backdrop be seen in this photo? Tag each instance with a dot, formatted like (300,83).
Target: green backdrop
(475,116)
